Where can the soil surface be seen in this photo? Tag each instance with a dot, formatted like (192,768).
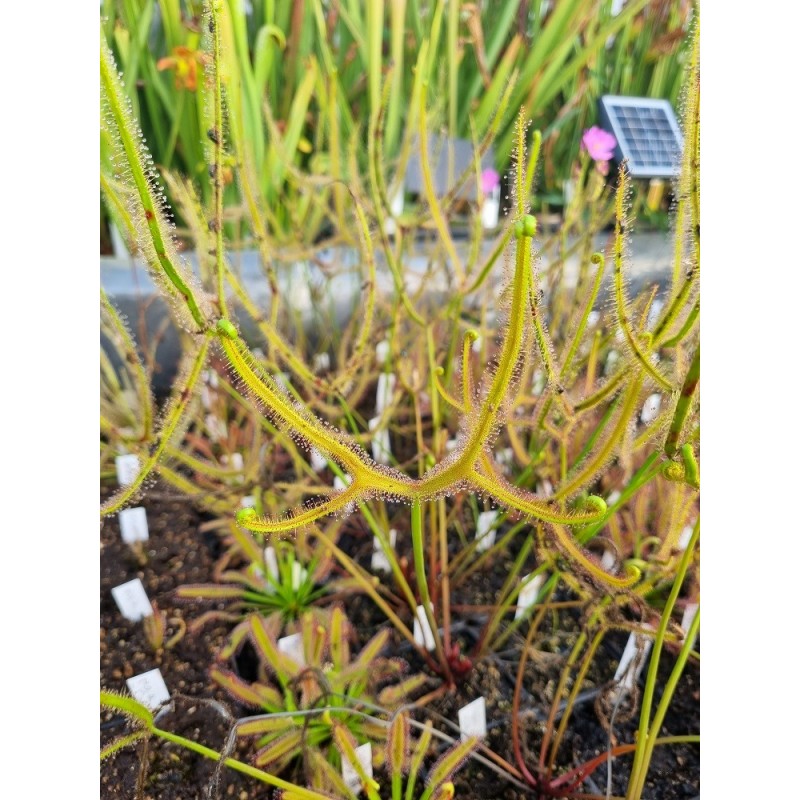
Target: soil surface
(183,549)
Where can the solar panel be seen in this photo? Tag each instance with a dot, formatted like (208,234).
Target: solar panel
(647,133)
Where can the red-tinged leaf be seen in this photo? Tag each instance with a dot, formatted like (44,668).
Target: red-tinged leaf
(451,761)
(235,640)
(209,591)
(258,727)
(253,695)
(264,642)
(393,696)
(340,649)
(397,744)
(280,751)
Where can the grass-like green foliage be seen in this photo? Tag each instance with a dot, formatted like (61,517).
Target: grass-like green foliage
(558,390)
(304,705)
(301,77)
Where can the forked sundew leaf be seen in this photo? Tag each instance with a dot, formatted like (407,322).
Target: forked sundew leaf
(280,750)
(451,761)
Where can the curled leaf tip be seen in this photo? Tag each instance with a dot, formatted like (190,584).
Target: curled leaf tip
(226,328)
(245,515)
(673,471)
(597,504)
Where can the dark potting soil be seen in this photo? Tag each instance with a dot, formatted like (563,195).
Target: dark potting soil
(178,552)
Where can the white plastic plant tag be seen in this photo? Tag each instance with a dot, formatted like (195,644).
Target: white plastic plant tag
(322,362)
(133,525)
(271,562)
(450,445)
(149,688)
(340,484)
(349,774)
(132,600)
(383,397)
(537,386)
(490,211)
(127,469)
(248,502)
(633,660)
(216,428)
(608,560)
(299,574)
(382,351)
(472,719)
(380,562)
(318,461)
(686,535)
(292,646)
(650,408)
(528,594)
(381,446)
(237,462)
(613,497)
(485,532)
(422,629)
(689,613)
(592,318)
(505,458)
(611,362)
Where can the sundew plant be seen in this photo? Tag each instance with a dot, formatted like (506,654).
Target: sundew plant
(506,394)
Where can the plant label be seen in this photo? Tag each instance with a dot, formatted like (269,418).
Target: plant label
(537,387)
(248,502)
(608,560)
(472,719)
(686,535)
(349,774)
(299,574)
(149,688)
(322,362)
(127,469)
(613,497)
(383,397)
(612,359)
(486,531)
(450,445)
(133,525)
(292,646)
(490,210)
(505,458)
(689,613)
(592,318)
(216,428)
(271,563)
(528,594)
(132,601)
(382,351)
(340,484)
(633,660)
(422,629)
(650,408)
(381,446)
(380,562)
(237,461)
(318,461)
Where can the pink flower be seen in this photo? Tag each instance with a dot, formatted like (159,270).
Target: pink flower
(490,180)
(599,144)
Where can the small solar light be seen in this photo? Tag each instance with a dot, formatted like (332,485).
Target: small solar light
(647,132)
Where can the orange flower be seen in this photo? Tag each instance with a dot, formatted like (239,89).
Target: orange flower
(184,61)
